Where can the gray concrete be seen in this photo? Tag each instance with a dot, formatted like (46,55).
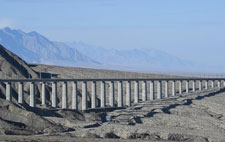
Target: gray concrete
(224,83)
(120,94)
(84,96)
(32,95)
(151,88)
(212,84)
(136,92)
(166,89)
(206,85)
(173,87)
(103,91)
(8,92)
(128,93)
(54,94)
(193,86)
(64,95)
(187,86)
(104,79)
(93,94)
(180,87)
(43,94)
(218,84)
(144,91)
(74,96)
(103,95)
(199,85)
(111,94)
(159,90)
(20,93)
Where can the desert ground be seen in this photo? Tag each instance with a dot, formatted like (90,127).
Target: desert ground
(191,117)
(198,116)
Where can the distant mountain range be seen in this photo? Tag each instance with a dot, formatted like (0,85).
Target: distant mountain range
(141,59)
(35,48)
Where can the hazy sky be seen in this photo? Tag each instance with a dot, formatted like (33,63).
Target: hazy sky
(191,29)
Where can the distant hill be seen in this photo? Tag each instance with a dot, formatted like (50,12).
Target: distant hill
(12,66)
(141,59)
(35,48)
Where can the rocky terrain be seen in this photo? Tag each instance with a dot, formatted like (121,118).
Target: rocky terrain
(195,117)
(190,117)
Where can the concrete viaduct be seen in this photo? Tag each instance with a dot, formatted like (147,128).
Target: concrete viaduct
(209,83)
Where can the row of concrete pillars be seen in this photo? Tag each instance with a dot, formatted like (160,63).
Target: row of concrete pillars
(111,96)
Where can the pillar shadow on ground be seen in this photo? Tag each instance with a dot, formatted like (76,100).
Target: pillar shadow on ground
(187,103)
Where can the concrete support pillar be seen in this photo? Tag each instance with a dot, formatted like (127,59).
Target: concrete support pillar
(187,86)
(111,94)
(32,95)
(144,91)
(43,94)
(64,96)
(224,83)
(128,94)
(74,96)
(200,85)
(120,94)
(136,92)
(212,85)
(21,93)
(54,94)
(159,90)
(103,103)
(180,87)
(8,92)
(93,94)
(218,84)
(151,87)
(193,86)
(84,96)
(166,89)
(206,85)
(173,87)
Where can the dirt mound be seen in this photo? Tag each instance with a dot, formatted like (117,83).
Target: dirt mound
(12,66)
(17,119)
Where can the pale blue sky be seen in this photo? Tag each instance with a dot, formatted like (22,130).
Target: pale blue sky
(191,29)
